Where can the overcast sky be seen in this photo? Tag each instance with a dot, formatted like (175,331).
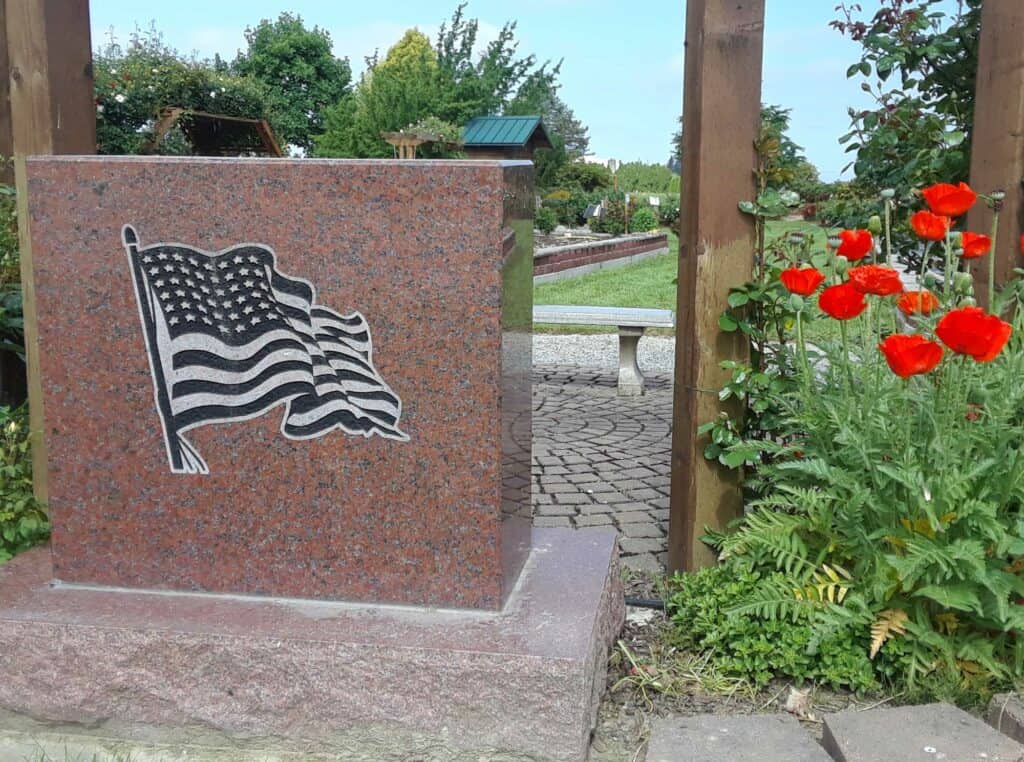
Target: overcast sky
(623,61)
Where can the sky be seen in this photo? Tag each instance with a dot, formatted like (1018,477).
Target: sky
(622,69)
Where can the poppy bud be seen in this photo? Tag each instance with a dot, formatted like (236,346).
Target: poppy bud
(875,224)
(930,280)
(888,194)
(956,237)
(963,283)
(997,195)
(842,265)
(968,301)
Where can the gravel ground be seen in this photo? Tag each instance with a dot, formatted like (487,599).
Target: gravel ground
(601,350)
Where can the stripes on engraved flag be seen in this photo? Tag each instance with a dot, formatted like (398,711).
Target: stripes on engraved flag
(229,337)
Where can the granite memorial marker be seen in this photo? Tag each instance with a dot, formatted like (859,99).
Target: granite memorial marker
(276,396)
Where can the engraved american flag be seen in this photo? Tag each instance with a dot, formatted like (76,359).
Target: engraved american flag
(230,337)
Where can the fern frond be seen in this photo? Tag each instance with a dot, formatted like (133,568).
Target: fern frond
(890,623)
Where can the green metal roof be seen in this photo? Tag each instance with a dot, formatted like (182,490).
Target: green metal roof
(502,130)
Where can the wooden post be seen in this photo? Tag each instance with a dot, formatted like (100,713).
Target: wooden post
(52,111)
(721,121)
(997,153)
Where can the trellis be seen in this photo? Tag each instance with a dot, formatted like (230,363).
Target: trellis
(45,55)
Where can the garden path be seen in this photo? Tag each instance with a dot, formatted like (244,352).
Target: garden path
(603,460)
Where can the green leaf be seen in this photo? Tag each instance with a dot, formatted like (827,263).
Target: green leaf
(960,597)
(726,323)
(738,299)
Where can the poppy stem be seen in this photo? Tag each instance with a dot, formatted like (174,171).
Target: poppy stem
(802,348)
(846,353)
(888,232)
(924,263)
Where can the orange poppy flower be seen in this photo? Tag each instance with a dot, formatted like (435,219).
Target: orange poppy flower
(910,355)
(876,279)
(855,244)
(917,302)
(803,281)
(971,331)
(930,227)
(842,302)
(949,200)
(974,245)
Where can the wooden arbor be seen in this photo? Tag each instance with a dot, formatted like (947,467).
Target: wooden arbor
(721,102)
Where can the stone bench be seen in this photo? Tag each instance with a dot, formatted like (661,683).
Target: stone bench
(631,322)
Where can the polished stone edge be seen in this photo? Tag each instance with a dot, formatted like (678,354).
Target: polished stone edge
(525,683)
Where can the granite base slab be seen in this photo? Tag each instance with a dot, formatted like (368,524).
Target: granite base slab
(351,680)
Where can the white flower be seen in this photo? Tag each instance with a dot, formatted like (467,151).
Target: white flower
(213,93)
(223,90)
(119,98)
(152,88)
(99,108)
(154,71)
(113,71)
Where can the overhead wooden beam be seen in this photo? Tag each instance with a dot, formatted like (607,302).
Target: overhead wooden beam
(51,111)
(997,153)
(721,120)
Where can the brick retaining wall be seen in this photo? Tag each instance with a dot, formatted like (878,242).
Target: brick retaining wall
(581,255)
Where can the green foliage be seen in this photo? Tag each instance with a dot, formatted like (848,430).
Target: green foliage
(570,205)
(649,178)
(883,507)
(22,521)
(668,212)
(643,220)
(12,323)
(849,205)
(584,176)
(448,133)
(299,73)
(394,94)
(546,220)
(133,84)
(919,62)
(703,606)
(451,83)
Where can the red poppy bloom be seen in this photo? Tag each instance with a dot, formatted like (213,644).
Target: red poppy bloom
(974,245)
(1022,244)
(855,244)
(917,302)
(949,200)
(842,302)
(876,279)
(910,355)
(971,331)
(930,227)
(803,281)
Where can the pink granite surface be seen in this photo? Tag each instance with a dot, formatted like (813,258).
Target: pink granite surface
(384,682)
(421,249)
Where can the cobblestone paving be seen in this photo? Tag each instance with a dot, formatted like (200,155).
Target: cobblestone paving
(603,460)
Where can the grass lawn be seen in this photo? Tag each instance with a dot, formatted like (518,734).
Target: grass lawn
(646,284)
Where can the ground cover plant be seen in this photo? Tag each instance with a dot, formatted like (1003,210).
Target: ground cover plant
(884,538)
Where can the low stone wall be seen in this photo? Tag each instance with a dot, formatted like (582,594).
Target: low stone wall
(575,259)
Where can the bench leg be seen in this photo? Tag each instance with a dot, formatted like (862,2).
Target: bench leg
(631,380)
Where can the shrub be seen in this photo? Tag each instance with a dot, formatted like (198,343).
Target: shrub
(545,220)
(668,212)
(760,648)
(22,521)
(890,494)
(586,177)
(643,220)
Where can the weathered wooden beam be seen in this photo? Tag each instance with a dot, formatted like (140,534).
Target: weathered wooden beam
(49,50)
(721,120)
(51,111)
(997,153)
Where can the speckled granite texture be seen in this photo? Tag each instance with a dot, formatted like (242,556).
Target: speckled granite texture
(436,255)
(361,682)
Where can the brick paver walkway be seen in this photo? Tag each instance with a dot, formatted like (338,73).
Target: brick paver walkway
(603,460)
